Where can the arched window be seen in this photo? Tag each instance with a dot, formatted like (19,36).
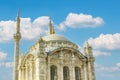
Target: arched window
(53,72)
(66,75)
(77,73)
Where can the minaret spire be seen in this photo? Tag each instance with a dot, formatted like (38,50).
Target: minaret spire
(51,28)
(17,37)
(18,22)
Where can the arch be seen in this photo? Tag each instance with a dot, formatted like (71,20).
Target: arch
(77,73)
(53,72)
(78,53)
(66,75)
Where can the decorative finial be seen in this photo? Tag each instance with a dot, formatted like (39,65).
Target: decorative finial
(51,28)
(53,31)
(18,22)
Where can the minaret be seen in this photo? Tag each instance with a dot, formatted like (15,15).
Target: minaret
(17,37)
(51,28)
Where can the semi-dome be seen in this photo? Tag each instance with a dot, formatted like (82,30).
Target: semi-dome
(54,37)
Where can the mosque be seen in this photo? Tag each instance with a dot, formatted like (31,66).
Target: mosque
(52,57)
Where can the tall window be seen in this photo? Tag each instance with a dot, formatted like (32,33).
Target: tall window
(66,73)
(53,72)
(77,73)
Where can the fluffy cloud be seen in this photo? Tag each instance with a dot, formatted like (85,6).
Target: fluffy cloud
(6,30)
(108,41)
(100,53)
(3,55)
(74,20)
(115,68)
(29,29)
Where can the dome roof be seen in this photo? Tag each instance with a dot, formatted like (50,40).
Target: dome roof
(54,37)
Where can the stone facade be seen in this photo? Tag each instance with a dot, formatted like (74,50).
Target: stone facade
(54,57)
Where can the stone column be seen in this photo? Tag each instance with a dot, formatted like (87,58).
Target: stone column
(45,71)
(91,68)
(20,71)
(48,69)
(37,66)
(82,73)
(26,72)
(72,72)
(60,67)
(23,73)
(92,71)
(31,71)
(85,71)
(59,72)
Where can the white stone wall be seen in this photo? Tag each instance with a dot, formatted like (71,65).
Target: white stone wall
(39,67)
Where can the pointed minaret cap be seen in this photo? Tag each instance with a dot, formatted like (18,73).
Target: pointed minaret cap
(50,27)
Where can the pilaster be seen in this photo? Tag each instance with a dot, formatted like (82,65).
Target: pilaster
(20,74)
(23,73)
(72,72)
(60,72)
(85,71)
(26,72)
(37,66)
(48,69)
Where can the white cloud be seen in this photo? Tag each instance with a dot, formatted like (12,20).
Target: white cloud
(32,29)
(6,30)
(6,64)
(100,53)
(100,68)
(3,55)
(81,20)
(9,64)
(96,53)
(118,64)
(108,41)
(29,29)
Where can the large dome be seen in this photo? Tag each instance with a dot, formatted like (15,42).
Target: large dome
(54,37)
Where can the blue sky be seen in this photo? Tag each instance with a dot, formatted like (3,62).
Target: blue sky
(97,21)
